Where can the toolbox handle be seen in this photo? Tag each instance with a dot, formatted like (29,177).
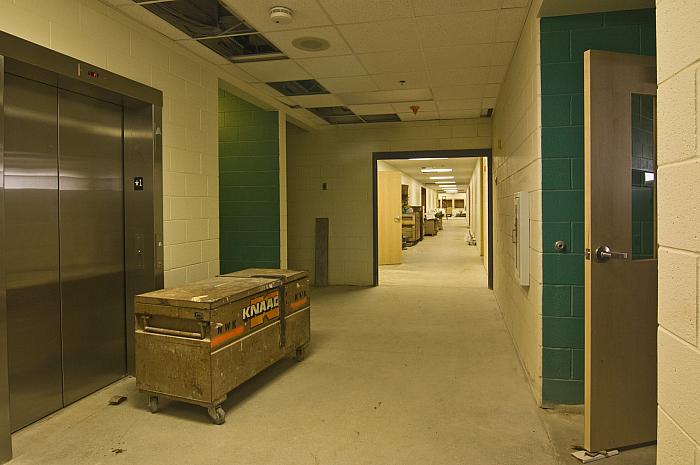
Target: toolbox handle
(174,332)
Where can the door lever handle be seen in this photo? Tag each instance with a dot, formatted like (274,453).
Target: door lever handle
(603,254)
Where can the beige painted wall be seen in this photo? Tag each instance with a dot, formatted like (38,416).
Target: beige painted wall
(517,167)
(678,49)
(478,208)
(341,156)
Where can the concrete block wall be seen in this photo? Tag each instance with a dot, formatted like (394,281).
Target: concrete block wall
(249,185)
(517,167)
(563,41)
(341,157)
(678,158)
(92,31)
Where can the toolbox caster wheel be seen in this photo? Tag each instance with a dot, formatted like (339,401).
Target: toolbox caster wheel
(217,415)
(300,354)
(153,404)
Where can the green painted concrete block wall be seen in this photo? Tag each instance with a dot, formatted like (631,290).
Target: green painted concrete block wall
(563,41)
(249,193)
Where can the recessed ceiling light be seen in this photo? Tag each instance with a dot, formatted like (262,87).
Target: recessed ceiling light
(436,170)
(442,177)
(426,159)
(311,44)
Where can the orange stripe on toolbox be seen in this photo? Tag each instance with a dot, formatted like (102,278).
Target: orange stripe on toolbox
(221,338)
(299,303)
(274,313)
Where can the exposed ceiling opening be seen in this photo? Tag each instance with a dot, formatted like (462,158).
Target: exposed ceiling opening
(216,27)
(380,118)
(301,87)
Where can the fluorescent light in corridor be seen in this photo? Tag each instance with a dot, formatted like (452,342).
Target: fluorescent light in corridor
(442,177)
(436,170)
(426,159)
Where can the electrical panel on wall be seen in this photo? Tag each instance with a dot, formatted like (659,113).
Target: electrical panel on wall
(521,237)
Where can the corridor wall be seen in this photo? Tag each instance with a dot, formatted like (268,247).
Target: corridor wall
(517,167)
(678,68)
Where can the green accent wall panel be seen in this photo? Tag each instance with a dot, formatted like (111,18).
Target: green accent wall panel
(562,43)
(249,193)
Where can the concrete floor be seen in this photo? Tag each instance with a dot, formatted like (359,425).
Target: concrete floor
(420,370)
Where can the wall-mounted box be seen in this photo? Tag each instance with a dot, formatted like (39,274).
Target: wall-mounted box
(521,237)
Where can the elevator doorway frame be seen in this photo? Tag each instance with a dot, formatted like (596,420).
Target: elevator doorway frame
(404,155)
(143,208)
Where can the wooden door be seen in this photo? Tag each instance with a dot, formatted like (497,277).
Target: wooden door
(620,241)
(389,216)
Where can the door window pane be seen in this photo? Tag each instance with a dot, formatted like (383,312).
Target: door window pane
(643,177)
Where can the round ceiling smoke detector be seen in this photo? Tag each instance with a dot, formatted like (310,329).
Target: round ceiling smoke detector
(311,44)
(281,15)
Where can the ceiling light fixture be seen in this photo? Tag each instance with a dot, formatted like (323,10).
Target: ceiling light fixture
(444,182)
(426,159)
(436,170)
(311,44)
(442,177)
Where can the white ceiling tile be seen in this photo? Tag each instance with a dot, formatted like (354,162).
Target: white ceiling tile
(460,104)
(349,84)
(315,101)
(305,13)
(204,52)
(386,96)
(274,71)
(463,56)
(502,53)
(491,90)
(497,74)
(458,92)
(382,36)
(510,23)
(488,103)
(392,81)
(393,62)
(372,109)
(360,11)
(458,114)
(421,116)
(338,66)
(237,72)
(441,7)
(515,3)
(441,78)
(283,41)
(458,29)
(424,106)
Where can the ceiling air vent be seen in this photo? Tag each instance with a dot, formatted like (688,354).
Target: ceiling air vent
(212,24)
(295,88)
(380,118)
(336,115)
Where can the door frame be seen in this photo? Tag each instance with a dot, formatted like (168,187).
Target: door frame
(404,155)
(141,105)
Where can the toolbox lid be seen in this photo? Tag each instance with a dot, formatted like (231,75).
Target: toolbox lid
(208,294)
(285,275)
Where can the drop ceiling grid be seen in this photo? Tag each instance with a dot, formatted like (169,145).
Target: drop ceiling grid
(456,52)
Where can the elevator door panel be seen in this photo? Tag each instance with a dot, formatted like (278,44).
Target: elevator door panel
(31,218)
(92,243)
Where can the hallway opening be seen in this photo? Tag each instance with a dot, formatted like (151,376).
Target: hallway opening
(429,209)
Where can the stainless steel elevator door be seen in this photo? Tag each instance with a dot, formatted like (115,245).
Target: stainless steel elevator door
(31,218)
(91,216)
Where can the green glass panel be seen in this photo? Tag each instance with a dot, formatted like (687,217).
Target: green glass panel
(643,178)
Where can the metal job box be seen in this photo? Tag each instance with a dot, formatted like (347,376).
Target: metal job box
(195,343)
